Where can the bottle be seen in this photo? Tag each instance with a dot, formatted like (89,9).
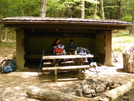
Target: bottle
(75,52)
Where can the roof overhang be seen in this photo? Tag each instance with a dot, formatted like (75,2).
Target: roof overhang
(64,23)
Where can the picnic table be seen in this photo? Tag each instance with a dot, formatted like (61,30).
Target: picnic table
(78,59)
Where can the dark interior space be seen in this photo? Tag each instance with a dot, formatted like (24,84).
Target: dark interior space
(48,35)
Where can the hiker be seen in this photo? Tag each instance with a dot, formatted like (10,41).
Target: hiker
(71,47)
(56,42)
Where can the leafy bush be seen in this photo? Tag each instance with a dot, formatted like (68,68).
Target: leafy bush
(127,18)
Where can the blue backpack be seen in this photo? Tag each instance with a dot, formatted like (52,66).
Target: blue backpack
(7,66)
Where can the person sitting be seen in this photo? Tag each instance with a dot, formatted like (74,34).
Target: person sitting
(56,42)
(58,48)
(71,47)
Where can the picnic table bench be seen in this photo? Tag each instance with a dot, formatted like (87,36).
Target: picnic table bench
(55,59)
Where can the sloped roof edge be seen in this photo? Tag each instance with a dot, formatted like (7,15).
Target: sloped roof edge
(30,19)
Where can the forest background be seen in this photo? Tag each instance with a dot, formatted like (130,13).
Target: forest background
(90,9)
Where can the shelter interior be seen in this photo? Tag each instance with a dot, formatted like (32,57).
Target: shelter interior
(38,39)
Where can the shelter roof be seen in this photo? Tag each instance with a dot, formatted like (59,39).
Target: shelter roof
(26,22)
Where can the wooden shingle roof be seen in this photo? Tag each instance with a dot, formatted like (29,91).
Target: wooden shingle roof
(47,22)
(62,19)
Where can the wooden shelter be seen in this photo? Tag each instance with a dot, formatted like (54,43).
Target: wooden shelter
(35,34)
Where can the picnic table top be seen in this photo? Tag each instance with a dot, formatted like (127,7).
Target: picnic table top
(67,56)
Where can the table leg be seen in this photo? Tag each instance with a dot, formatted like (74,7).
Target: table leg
(79,61)
(83,74)
(55,62)
(55,74)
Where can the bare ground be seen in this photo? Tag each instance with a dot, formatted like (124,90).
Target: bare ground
(13,85)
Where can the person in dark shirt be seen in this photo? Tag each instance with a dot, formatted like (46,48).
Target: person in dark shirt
(71,47)
(56,42)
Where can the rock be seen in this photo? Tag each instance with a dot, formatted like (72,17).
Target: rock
(96,99)
(84,82)
(115,85)
(90,81)
(125,98)
(108,88)
(105,83)
(78,86)
(100,88)
(78,92)
(88,95)
(94,85)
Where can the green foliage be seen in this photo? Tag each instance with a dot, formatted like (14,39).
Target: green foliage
(127,18)
(122,40)
(10,35)
(7,44)
(19,8)
(91,1)
(55,8)
(94,17)
(120,33)
(67,8)
(128,39)
(117,49)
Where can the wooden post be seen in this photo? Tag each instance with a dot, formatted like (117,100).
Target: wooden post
(19,49)
(55,74)
(83,75)
(108,48)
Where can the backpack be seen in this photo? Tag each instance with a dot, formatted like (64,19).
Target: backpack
(59,49)
(82,51)
(7,66)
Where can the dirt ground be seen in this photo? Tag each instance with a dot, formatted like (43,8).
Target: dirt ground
(13,85)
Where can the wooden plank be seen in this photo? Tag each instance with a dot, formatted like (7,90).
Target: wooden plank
(67,26)
(82,67)
(33,56)
(67,56)
(66,67)
(39,56)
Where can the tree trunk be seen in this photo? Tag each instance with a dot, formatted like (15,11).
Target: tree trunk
(102,9)
(50,95)
(22,10)
(95,12)
(128,62)
(132,30)
(43,9)
(0,32)
(119,9)
(5,38)
(83,9)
